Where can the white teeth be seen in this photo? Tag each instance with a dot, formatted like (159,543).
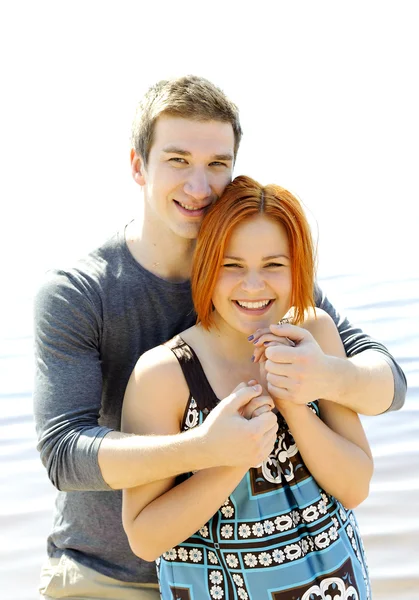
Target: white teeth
(189,207)
(260,304)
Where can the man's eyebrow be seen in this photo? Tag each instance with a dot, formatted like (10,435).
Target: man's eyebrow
(225,157)
(176,150)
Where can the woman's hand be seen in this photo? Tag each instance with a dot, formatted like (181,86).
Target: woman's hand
(263,339)
(296,369)
(258,405)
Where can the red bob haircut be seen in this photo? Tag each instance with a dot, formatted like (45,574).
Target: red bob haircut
(242,199)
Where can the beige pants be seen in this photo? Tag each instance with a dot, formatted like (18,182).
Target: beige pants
(65,578)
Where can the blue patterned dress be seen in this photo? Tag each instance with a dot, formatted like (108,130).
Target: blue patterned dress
(278,536)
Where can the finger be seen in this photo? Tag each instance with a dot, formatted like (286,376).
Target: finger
(260,334)
(258,354)
(279,368)
(280,353)
(270,337)
(259,411)
(256,334)
(241,385)
(279,381)
(270,435)
(286,369)
(279,393)
(260,400)
(293,332)
(267,443)
(264,342)
(242,396)
(264,423)
(248,410)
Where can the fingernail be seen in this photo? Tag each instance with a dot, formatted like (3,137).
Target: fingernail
(255,387)
(266,343)
(250,338)
(253,358)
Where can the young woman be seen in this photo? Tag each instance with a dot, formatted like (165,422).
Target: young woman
(285,529)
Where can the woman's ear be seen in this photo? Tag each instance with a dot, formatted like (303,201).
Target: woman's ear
(137,168)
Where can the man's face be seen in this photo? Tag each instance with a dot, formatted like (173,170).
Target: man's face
(189,165)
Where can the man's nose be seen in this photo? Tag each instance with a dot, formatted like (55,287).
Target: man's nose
(197,185)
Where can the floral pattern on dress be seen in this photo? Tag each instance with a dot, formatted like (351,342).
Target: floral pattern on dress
(276,522)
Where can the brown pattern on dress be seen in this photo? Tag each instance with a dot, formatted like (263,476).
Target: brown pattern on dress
(337,585)
(180,593)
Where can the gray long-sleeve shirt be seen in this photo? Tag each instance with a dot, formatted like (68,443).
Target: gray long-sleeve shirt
(91,325)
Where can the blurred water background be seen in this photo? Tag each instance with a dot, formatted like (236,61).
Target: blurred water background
(328,101)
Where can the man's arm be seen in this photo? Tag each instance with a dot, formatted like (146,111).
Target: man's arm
(68,384)
(77,452)
(225,438)
(370,382)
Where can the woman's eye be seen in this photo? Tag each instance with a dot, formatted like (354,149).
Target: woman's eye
(273,264)
(234,265)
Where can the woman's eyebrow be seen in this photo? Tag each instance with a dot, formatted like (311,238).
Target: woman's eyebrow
(275,256)
(263,258)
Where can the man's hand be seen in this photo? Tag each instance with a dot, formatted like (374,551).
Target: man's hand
(241,430)
(294,366)
(258,405)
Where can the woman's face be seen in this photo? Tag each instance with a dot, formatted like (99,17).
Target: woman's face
(254,285)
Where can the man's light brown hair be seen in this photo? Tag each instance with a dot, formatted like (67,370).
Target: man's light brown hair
(188,97)
(242,199)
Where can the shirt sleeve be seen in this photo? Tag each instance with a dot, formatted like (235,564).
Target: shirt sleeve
(68,383)
(356,341)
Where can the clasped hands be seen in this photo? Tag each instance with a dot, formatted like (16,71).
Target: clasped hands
(290,377)
(293,367)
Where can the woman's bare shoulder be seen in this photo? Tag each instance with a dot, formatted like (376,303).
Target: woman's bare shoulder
(157,391)
(315,318)
(322,327)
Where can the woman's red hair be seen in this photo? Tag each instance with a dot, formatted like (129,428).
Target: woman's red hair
(244,198)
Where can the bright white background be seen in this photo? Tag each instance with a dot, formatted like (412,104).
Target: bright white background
(327,90)
(329,102)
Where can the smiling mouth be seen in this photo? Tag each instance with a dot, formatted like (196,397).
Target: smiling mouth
(256,306)
(192,210)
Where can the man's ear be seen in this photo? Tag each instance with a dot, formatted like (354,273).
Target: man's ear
(137,168)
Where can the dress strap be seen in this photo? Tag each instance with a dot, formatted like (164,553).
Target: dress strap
(194,374)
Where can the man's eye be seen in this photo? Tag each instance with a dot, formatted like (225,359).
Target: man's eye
(177,159)
(216,163)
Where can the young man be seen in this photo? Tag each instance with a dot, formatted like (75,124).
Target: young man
(133,293)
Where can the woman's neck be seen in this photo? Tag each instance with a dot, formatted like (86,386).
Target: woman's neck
(229,343)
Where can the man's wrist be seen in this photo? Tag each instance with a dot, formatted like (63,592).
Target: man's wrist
(339,373)
(199,448)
